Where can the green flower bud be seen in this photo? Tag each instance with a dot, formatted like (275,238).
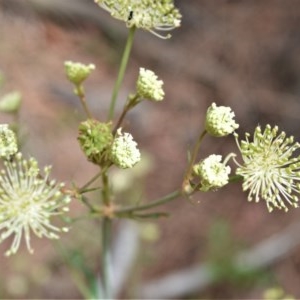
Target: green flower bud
(148,86)
(124,152)
(220,121)
(213,173)
(10,102)
(78,72)
(8,141)
(95,138)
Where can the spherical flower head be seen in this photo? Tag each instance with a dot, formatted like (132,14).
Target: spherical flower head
(78,72)
(28,200)
(269,171)
(124,151)
(147,14)
(213,173)
(149,86)
(94,138)
(220,121)
(8,141)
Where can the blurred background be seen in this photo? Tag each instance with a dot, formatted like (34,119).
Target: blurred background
(243,54)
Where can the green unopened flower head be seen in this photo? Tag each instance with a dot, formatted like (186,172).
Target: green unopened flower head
(95,138)
(213,173)
(11,102)
(8,141)
(124,151)
(28,201)
(149,86)
(269,171)
(160,15)
(78,72)
(220,121)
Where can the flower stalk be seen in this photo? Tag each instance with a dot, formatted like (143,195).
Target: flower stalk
(186,179)
(121,72)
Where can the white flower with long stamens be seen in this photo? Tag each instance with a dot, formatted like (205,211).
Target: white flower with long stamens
(8,141)
(160,15)
(220,121)
(28,201)
(213,172)
(269,171)
(149,86)
(124,152)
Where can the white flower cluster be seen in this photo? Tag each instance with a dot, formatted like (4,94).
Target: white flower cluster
(124,152)
(220,121)
(147,14)
(269,170)
(149,86)
(213,173)
(28,201)
(8,141)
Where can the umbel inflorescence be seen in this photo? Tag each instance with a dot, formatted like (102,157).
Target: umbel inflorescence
(28,201)
(269,170)
(151,15)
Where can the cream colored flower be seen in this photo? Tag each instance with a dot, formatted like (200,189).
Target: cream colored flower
(268,169)
(213,173)
(160,15)
(8,141)
(124,151)
(149,86)
(220,121)
(28,202)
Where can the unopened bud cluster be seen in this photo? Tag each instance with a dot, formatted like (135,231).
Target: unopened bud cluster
(103,148)
(78,72)
(95,138)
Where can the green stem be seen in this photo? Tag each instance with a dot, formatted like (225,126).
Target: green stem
(158,202)
(106,259)
(131,102)
(79,91)
(192,160)
(83,188)
(235,178)
(121,73)
(105,189)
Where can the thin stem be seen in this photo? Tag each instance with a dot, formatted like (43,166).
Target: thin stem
(79,91)
(85,201)
(193,158)
(106,259)
(121,73)
(158,202)
(118,124)
(83,188)
(105,189)
(131,102)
